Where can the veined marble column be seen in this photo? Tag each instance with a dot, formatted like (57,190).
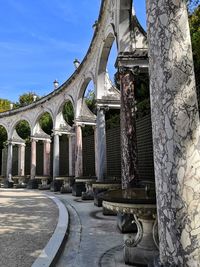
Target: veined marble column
(33,158)
(71,139)
(78,155)
(56,155)
(129,163)
(101,157)
(46,157)
(21,159)
(9,159)
(176,129)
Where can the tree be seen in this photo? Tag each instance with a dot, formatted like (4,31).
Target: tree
(4,105)
(26,99)
(194,21)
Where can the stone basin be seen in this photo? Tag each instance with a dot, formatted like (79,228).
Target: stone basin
(102,186)
(140,248)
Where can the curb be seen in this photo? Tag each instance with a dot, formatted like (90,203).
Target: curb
(53,247)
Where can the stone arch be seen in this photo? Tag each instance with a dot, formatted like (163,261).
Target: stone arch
(5,127)
(101,66)
(37,118)
(83,86)
(13,127)
(59,116)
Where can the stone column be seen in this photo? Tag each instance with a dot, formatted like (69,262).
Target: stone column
(21,159)
(71,155)
(96,150)
(78,154)
(176,126)
(46,157)
(129,164)
(33,158)
(56,155)
(101,144)
(9,159)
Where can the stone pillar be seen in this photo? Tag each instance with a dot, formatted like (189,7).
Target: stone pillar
(176,126)
(96,150)
(33,158)
(21,159)
(46,157)
(71,155)
(101,144)
(78,154)
(9,159)
(129,164)
(56,155)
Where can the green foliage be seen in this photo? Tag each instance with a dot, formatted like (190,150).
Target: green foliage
(90,101)
(23,130)
(26,99)
(113,121)
(4,105)
(68,113)
(194,20)
(3,136)
(46,123)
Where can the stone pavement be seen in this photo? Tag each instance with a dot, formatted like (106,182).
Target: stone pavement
(93,240)
(27,221)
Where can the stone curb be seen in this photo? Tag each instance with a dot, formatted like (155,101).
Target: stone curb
(53,247)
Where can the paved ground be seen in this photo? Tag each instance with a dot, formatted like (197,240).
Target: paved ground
(27,221)
(93,240)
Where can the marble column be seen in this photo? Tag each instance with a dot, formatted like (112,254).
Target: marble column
(9,159)
(33,158)
(46,157)
(129,162)
(71,155)
(101,157)
(78,154)
(21,159)
(176,126)
(56,155)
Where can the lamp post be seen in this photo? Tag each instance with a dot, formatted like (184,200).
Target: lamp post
(76,63)
(56,84)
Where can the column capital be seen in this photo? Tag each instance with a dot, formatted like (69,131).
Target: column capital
(9,142)
(133,59)
(104,108)
(56,132)
(79,123)
(33,138)
(47,141)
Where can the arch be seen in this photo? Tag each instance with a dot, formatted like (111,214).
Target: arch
(5,127)
(67,98)
(83,87)
(13,127)
(37,118)
(101,66)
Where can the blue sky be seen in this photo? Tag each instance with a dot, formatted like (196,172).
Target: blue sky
(39,40)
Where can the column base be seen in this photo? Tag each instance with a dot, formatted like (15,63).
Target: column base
(87,195)
(139,257)
(32,184)
(65,189)
(56,185)
(77,189)
(7,184)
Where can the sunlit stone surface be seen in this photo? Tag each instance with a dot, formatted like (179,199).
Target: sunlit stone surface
(175,123)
